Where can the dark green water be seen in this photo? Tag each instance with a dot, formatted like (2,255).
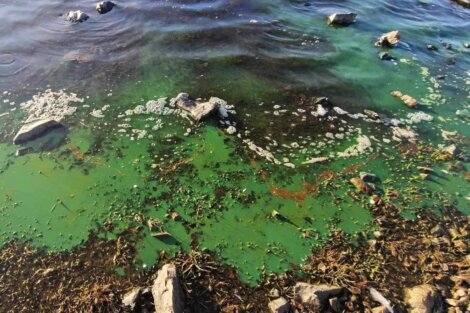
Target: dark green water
(266,58)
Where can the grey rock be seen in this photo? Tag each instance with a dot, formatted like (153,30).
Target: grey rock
(431,47)
(343,19)
(314,296)
(166,290)
(76,16)
(198,111)
(466,45)
(34,129)
(423,299)
(130,299)
(279,305)
(104,7)
(23,151)
(335,305)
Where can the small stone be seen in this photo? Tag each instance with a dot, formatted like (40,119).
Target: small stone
(279,306)
(406,99)
(450,61)
(441,77)
(231,130)
(390,39)
(466,45)
(360,185)
(438,231)
(104,7)
(76,16)
(385,56)
(342,19)
(431,47)
(423,299)
(452,302)
(461,292)
(314,296)
(447,45)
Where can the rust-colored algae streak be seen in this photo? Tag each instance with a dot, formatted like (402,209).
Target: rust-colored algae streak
(298,196)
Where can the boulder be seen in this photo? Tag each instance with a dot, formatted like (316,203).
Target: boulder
(390,39)
(423,299)
(314,296)
(34,129)
(198,111)
(76,16)
(130,299)
(104,7)
(343,19)
(166,290)
(279,305)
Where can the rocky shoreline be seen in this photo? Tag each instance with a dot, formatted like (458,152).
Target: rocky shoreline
(407,266)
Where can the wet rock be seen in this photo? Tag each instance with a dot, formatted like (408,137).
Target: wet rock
(130,299)
(34,129)
(279,306)
(314,296)
(450,61)
(385,56)
(198,111)
(342,19)
(367,177)
(390,39)
(274,293)
(323,101)
(231,130)
(76,16)
(104,7)
(167,292)
(465,3)
(23,151)
(423,299)
(409,101)
(466,45)
(447,45)
(431,47)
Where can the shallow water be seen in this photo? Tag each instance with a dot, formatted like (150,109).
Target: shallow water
(268,59)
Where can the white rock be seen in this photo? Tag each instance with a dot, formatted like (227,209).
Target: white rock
(34,129)
(76,16)
(167,292)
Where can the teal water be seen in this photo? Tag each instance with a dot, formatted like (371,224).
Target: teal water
(268,59)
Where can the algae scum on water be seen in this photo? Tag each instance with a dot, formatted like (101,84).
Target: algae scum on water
(305,137)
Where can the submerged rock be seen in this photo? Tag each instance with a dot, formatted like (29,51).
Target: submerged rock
(466,45)
(385,56)
(167,292)
(431,47)
(390,39)
(423,299)
(314,296)
(279,306)
(343,19)
(406,99)
(76,16)
(104,7)
(34,129)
